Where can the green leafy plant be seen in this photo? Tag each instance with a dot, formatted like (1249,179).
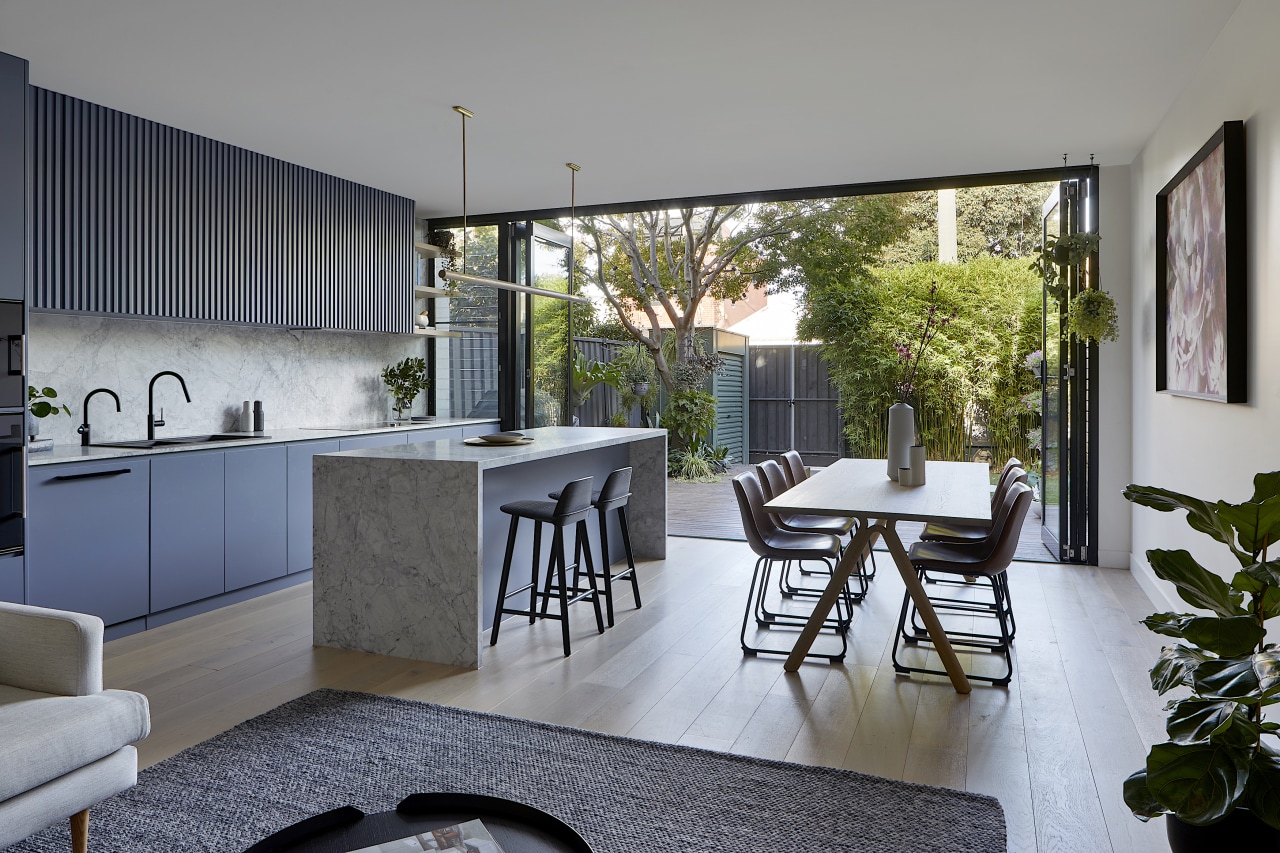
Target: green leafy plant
(689,416)
(38,401)
(1221,754)
(1067,250)
(589,373)
(1092,317)
(405,380)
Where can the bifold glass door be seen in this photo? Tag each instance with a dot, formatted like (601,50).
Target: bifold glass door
(535,341)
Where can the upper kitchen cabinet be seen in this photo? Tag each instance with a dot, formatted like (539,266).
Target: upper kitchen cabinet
(135,218)
(13,177)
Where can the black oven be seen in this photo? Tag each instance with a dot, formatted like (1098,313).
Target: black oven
(13,378)
(13,475)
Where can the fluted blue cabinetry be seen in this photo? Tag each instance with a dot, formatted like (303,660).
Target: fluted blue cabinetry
(13,177)
(87,539)
(256,515)
(186,528)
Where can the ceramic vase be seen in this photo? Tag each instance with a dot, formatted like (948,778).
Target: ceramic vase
(902,434)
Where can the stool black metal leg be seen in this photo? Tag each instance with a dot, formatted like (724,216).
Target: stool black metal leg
(606,563)
(557,545)
(631,557)
(533,587)
(502,584)
(583,544)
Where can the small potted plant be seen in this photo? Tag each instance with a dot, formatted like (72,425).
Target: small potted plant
(405,380)
(39,406)
(1217,778)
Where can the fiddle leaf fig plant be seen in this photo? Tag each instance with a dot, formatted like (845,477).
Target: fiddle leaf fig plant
(1221,754)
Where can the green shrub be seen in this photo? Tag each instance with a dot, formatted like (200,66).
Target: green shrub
(689,415)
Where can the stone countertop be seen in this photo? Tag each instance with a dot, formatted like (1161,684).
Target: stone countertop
(75,453)
(547,442)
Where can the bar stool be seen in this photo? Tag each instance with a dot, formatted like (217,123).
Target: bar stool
(614,495)
(771,544)
(570,510)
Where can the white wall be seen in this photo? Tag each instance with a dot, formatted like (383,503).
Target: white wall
(1211,450)
(1115,410)
(306,378)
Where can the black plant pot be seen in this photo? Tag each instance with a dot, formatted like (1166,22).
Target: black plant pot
(1240,830)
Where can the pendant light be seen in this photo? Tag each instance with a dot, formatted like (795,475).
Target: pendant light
(463,277)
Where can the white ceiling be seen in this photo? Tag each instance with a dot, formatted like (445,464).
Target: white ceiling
(655,99)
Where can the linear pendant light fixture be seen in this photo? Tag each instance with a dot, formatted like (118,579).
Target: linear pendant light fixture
(462,277)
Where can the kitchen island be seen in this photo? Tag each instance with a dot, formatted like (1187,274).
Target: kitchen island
(409,540)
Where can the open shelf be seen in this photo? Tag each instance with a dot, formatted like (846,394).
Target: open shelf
(431,292)
(428,250)
(436,333)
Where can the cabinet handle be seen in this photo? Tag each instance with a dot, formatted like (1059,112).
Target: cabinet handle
(114,472)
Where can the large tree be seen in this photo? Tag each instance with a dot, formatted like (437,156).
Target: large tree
(665,264)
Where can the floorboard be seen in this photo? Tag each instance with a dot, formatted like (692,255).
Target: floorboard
(1054,746)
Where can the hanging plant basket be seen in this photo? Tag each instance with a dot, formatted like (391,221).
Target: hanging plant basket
(1092,317)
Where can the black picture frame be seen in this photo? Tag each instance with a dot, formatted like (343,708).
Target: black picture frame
(1201,278)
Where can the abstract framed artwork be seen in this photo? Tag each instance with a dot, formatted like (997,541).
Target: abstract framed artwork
(1201,289)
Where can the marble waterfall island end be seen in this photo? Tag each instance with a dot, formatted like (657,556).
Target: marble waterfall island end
(409,539)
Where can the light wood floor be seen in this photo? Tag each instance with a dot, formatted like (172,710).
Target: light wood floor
(1054,746)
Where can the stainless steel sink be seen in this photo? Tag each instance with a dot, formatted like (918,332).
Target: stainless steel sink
(176,440)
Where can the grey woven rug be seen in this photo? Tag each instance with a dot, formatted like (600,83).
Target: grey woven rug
(333,748)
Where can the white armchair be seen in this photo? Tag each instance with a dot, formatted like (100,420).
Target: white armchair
(64,741)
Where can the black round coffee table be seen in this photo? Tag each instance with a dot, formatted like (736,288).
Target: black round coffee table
(518,828)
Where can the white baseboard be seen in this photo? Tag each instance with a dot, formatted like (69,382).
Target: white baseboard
(1160,592)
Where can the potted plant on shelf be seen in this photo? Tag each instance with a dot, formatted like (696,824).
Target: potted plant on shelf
(1217,778)
(39,406)
(405,380)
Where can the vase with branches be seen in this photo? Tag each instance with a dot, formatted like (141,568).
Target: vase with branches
(902,417)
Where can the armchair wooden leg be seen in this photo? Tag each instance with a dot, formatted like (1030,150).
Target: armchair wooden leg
(80,832)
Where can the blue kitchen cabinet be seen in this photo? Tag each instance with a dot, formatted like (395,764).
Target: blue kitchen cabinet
(12,585)
(364,442)
(415,435)
(186,528)
(87,538)
(300,509)
(256,503)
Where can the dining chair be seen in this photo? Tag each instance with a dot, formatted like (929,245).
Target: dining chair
(961,533)
(797,472)
(773,483)
(771,544)
(987,559)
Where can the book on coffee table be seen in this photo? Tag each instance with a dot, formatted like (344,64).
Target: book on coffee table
(469,837)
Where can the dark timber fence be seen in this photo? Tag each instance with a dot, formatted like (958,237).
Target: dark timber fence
(794,405)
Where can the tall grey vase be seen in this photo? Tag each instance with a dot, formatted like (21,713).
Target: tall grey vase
(902,434)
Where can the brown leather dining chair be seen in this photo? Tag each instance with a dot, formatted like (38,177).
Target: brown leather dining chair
(987,560)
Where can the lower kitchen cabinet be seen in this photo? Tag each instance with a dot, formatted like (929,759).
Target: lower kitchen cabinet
(363,442)
(415,435)
(186,528)
(300,529)
(12,586)
(256,504)
(87,538)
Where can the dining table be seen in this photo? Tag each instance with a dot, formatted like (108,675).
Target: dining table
(953,493)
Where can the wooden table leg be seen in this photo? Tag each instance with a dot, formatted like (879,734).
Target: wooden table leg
(847,565)
(925,608)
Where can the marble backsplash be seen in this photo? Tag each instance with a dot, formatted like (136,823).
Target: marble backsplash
(303,378)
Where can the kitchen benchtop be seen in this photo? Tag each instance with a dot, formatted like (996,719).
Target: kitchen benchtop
(547,442)
(75,453)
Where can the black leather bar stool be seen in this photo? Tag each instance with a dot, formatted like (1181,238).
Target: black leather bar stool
(614,495)
(570,510)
